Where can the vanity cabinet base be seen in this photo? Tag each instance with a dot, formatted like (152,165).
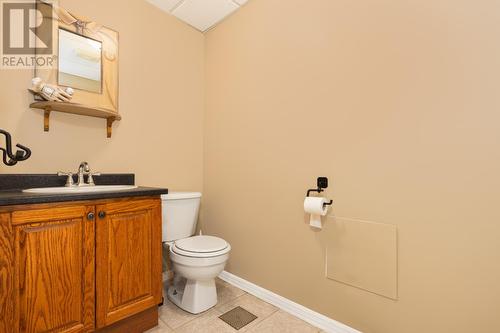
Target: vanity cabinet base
(138,323)
(78,267)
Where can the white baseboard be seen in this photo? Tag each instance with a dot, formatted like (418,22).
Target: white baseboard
(314,318)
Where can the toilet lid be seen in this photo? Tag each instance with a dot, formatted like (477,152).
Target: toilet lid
(183,253)
(201,244)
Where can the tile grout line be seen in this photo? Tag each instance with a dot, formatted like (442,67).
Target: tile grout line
(244,294)
(190,320)
(197,317)
(164,323)
(264,319)
(234,299)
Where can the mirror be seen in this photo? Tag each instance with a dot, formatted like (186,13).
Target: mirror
(80,62)
(87,59)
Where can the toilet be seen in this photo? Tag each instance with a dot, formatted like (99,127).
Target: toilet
(196,260)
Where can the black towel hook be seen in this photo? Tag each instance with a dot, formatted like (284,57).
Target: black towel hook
(8,157)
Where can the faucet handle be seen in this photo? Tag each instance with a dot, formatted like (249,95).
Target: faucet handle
(90,179)
(69,180)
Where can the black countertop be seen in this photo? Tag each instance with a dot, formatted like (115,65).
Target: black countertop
(11,187)
(18,197)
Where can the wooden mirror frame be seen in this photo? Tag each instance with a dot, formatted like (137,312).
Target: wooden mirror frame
(108,98)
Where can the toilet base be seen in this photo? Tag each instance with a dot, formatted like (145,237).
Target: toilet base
(193,296)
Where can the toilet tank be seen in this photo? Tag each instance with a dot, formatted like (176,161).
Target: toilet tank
(180,214)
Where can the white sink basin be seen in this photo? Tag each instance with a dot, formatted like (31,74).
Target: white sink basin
(82,189)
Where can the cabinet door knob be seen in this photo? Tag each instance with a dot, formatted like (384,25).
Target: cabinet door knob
(90,216)
(102,214)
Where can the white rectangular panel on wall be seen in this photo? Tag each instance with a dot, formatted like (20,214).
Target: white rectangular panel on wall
(363,254)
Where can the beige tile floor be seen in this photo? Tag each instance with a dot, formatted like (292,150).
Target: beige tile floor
(269,318)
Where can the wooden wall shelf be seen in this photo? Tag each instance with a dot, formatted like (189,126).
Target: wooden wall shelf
(79,109)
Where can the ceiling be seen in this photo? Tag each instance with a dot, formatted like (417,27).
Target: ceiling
(201,14)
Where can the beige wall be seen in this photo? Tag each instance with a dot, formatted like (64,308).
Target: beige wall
(397,102)
(161,100)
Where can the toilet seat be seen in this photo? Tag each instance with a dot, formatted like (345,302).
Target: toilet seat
(201,247)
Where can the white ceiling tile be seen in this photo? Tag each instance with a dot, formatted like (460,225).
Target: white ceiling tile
(166,5)
(203,14)
(240,2)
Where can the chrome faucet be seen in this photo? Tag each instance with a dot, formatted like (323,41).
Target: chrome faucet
(83,169)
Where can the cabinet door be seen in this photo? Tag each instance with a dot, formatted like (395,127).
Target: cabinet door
(54,269)
(6,274)
(128,252)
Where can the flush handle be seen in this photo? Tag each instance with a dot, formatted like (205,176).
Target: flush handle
(102,214)
(90,216)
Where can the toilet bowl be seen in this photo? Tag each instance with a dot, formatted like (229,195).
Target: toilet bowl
(196,260)
(197,266)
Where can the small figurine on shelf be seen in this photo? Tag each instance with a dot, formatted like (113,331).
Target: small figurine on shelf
(50,92)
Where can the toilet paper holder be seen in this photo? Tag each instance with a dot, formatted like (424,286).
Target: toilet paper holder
(322,183)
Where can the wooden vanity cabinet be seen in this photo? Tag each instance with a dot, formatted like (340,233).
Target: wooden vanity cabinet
(128,271)
(80,267)
(52,270)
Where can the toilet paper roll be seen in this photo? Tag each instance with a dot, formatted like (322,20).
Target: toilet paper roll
(315,221)
(315,205)
(317,208)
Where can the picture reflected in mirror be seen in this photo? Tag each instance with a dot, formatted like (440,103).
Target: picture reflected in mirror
(80,64)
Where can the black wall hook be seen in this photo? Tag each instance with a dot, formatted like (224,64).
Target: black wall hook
(10,158)
(322,183)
